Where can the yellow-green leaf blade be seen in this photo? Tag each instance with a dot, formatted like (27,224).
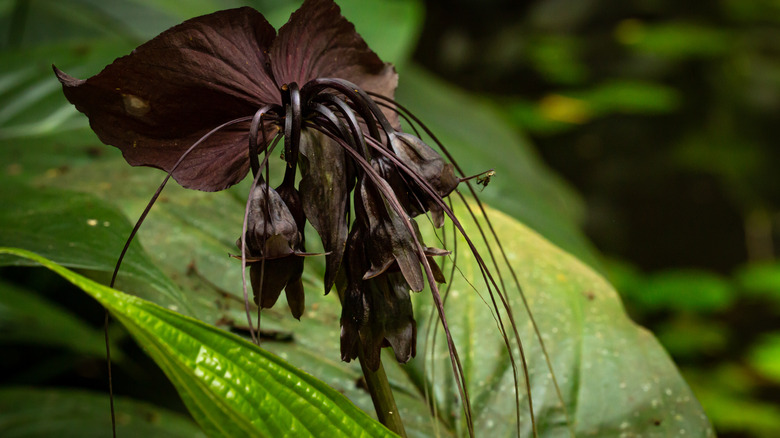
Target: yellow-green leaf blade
(232,387)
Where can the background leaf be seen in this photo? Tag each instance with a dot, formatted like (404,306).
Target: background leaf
(615,377)
(89,239)
(232,387)
(35,412)
(26,317)
(597,353)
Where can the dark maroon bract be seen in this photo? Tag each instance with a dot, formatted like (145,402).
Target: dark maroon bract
(207,99)
(156,102)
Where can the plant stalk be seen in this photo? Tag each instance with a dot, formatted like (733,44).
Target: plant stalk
(382,396)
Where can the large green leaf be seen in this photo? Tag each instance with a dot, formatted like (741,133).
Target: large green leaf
(597,353)
(615,378)
(232,387)
(89,238)
(65,413)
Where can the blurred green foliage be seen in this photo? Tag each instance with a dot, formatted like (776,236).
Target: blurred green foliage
(723,332)
(665,116)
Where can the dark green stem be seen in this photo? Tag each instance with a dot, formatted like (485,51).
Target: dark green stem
(382,396)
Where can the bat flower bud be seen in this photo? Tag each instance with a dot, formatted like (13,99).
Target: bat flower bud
(393,247)
(391,241)
(426,162)
(274,246)
(381,266)
(376,312)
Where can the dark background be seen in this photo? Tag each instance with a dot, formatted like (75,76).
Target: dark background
(664,116)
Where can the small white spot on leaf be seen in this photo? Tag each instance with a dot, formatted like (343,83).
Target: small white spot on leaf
(135,106)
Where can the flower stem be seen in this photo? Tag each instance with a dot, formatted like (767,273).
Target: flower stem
(382,396)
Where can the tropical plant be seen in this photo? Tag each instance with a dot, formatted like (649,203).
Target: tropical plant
(544,348)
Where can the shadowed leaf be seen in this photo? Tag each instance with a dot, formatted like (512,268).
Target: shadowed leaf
(33,413)
(231,387)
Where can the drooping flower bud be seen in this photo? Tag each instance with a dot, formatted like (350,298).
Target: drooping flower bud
(426,162)
(274,244)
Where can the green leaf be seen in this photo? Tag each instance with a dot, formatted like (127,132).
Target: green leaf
(598,355)
(674,39)
(630,97)
(760,279)
(232,387)
(558,112)
(45,21)
(79,231)
(689,290)
(556,57)
(765,357)
(728,393)
(26,317)
(690,336)
(30,413)
(614,376)
(390,28)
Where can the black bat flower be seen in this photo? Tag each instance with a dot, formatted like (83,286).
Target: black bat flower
(169,92)
(206,99)
(274,244)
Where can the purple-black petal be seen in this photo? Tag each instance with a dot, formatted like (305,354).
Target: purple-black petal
(324,195)
(272,238)
(272,231)
(156,102)
(318,42)
(351,286)
(390,240)
(429,165)
(391,320)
